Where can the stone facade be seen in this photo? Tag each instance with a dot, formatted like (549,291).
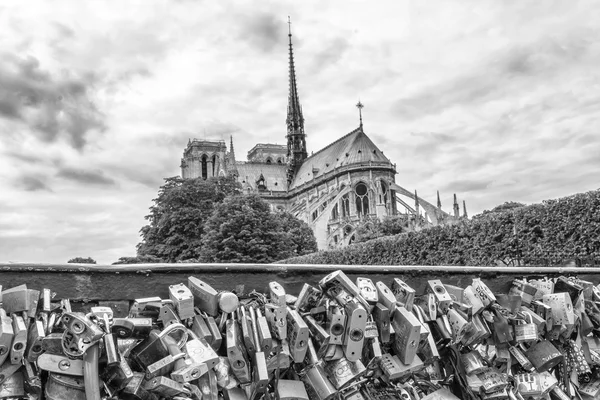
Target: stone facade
(345,184)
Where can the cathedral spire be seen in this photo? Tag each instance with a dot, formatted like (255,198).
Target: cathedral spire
(439,202)
(232,168)
(360,106)
(296,138)
(456,209)
(465,209)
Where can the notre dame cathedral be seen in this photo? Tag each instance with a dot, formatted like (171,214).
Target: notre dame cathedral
(335,189)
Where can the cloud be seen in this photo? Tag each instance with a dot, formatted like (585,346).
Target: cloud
(33,184)
(467,185)
(263,31)
(85,177)
(50,106)
(330,54)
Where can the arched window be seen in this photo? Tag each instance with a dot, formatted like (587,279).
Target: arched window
(385,195)
(269,161)
(214,165)
(335,212)
(204,167)
(362,199)
(345,205)
(279,161)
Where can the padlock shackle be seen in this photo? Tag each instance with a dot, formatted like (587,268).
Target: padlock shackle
(172,328)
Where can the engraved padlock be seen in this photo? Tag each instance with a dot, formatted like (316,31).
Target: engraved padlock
(367,290)
(132,328)
(343,371)
(208,386)
(200,352)
(482,292)
(308,298)
(166,387)
(408,334)
(60,387)
(442,297)
(543,355)
(117,376)
(521,359)
(403,293)
(473,362)
(136,389)
(80,333)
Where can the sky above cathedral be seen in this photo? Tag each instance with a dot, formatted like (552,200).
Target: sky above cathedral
(492,100)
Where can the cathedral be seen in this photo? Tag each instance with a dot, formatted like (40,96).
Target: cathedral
(345,184)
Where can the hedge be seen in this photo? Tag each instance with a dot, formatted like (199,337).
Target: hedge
(540,234)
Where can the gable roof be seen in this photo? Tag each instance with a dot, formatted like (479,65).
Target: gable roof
(354,148)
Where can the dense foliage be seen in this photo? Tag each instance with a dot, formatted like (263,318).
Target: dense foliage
(511,234)
(242,229)
(138,260)
(82,260)
(387,226)
(177,218)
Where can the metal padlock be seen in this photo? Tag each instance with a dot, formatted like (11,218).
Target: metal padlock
(318,333)
(367,290)
(562,308)
(236,353)
(458,324)
(235,393)
(60,387)
(318,385)
(16,300)
(166,387)
(386,296)
(183,299)
(6,335)
(354,335)
(80,333)
(472,300)
(167,314)
(276,317)
(209,300)
(473,362)
(132,328)
(136,390)
(543,355)
(482,292)
(264,334)
(32,379)
(381,316)
(336,326)
(392,367)
(338,281)
(442,297)
(246,325)
(52,343)
(225,378)
(523,289)
(162,367)
(408,334)
(153,348)
(403,293)
(521,359)
(200,328)
(117,376)
(526,331)
(309,297)
(200,352)
(60,364)
(492,380)
(7,370)
(208,386)
(19,343)
(297,335)
(343,371)
(291,390)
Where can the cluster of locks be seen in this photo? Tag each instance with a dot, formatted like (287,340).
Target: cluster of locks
(339,340)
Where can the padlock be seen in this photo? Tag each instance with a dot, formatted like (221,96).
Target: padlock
(543,355)
(381,316)
(6,335)
(117,376)
(264,334)
(441,394)
(16,300)
(208,386)
(297,335)
(408,334)
(183,299)
(200,352)
(343,371)
(392,367)
(503,331)
(246,325)
(372,353)
(147,307)
(60,387)
(260,374)
(153,348)
(473,362)
(526,332)
(215,331)
(371,330)
(318,385)
(367,290)
(189,371)
(564,284)
(544,311)
(277,294)
(236,353)
(521,359)
(80,333)
(309,297)
(386,296)
(561,308)
(403,293)
(427,349)
(558,394)
(186,370)
(167,314)
(523,289)
(458,324)
(318,333)
(209,300)
(442,297)
(200,328)
(434,372)
(276,317)
(135,389)
(280,356)
(427,307)
(492,380)
(354,335)
(52,343)
(483,292)
(163,367)
(166,387)
(338,281)
(336,326)
(17,351)
(132,328)
(591,389)
(472,300)
(60,364)
(291,390)
(225,378)
(7,370)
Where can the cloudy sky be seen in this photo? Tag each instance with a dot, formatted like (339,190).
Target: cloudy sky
(492,100)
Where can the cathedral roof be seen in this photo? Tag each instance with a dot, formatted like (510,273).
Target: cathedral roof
(351,149)
(274,174)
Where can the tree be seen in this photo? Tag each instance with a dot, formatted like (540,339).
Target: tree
(178,215)
(298,234)
(138,260)
(81,260)
(242,229)
(390,225)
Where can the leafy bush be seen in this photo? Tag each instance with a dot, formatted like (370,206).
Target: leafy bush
(511,234)
(82,260)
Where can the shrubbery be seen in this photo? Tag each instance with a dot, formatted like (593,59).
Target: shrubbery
(512,234)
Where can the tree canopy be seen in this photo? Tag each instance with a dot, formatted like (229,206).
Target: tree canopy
(242,229)
(82,260)
(177,217)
